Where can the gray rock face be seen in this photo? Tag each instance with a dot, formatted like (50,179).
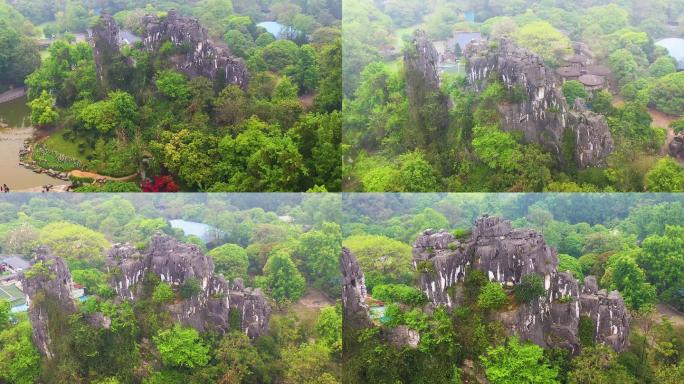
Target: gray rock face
(356,314)
(175,262)
(200,56)
(423,61)
(45,286)
(105,42)
(676,146)
(542,114)
(505,255)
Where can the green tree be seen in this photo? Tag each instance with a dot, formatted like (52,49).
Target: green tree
(320,250)
(573,89)
(623,273)
(382,259)
(662,258)
(19,358)
(416,174)
(173,85)
(5,308)
(598,365)
(43,112)
(239,360)
(307,364)
(238,42)
(663,65)
(329,328)
(163,293)
(282,279)
(666,176)
(543,39)
(305,72)
(231,261)
(531,286)
(78,245)
(572,264)
(181,347)
(667,93)
(492,296)
(518,363)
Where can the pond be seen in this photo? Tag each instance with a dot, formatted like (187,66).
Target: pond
(205,232)
(16,114)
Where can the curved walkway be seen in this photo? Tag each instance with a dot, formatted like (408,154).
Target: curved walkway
(90,175)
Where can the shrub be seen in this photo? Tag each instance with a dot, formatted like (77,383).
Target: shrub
(399,293)
(531,287)
(492,296)
(190,288)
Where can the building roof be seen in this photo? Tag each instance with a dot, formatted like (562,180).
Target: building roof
(464,38)
(598,70)
(591,80)
(675,48)
(15,262)
(581,59)
(568,71)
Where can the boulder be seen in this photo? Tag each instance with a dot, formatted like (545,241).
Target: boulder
(356,314)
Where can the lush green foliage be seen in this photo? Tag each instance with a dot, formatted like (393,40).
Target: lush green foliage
(518,363)
(181,347)
(531,287)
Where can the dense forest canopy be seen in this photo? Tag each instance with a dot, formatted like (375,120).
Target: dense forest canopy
(288,245)
(630,242)
(131,111)
(397,141)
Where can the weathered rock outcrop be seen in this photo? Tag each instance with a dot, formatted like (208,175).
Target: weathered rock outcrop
(105,41)
(542,114)
(676,146)
(505,255)
(429,106)
(48,286)
(175,262)
(198,55)
(356,313)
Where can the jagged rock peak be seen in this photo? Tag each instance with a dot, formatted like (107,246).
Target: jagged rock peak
(422,58)
(104,38)
(48,279)
(176,262)
(356,313)
(505,255)
(541,112)
(198,55)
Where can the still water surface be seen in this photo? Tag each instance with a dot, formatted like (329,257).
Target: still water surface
(17,115)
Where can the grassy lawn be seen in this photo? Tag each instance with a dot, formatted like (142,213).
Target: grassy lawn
(56,142)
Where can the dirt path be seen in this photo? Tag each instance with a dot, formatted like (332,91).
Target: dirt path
(95,176)
(315,299)
(677,318)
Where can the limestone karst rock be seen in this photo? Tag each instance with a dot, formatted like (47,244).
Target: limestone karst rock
(428,105)
(541,114)
(176,262)
(676,146)
(356,313)
(48,286)
(104,38)
(199,56)
(505,255)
